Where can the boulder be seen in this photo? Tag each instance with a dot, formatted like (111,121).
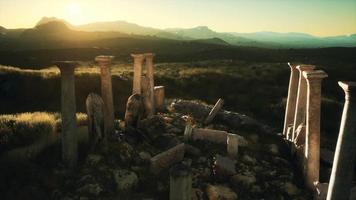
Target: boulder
(126,180)
(220,192)
(224,166)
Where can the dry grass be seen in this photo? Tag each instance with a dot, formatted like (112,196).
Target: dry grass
(25,128)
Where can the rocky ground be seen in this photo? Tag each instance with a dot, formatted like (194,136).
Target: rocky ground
(263,168)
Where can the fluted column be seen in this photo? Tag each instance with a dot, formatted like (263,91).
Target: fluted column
(301,103)
(106,92)
(292,98)
(138,60)
(312,138)
(150,76)
(344,160)
(68,113)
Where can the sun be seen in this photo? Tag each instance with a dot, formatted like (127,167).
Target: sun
(73,9)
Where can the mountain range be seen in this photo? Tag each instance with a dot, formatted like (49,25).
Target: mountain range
(50,28)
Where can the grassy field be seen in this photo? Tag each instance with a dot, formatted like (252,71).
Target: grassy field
(257,89)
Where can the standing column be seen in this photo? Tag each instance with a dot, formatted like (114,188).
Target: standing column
(68,113)
(344,160)
(138,59)
(301,104)
(150,76)
(106,93)
(292,98)
(312,139)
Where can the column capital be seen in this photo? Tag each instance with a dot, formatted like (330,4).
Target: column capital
(303,68)
(292,66)
(104,60)
(149,55)
(138,56)
(349,89)
(66,66)
(315,75)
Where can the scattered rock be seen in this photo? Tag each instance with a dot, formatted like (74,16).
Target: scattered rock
(145,156)
(91,189)
(224,166)
(94,159)
(125,179)
(290,189)
(197,194)
(153,126)
(273,148)
(249,159)
(192,150)
(245,180)
(220,192)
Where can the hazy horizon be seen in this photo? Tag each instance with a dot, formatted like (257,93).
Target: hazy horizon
(317,17)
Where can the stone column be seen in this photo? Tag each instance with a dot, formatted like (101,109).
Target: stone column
(180,187)
(150,76)
(312,139)
(159,96)
(344,160)
(146,97)
(106,93)
(292,98)
(68,113)
(301,103)
(138,60)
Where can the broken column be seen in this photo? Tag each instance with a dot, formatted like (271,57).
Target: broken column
(138,60)
(292,98)
(180,186)
(106,92)
(232,143)
(211,135)
(312,139)
(165,159)
(159,96)
(344,160)
(133,110)
(150,76)
(217,107)
(146,97)
(301,103)
(68,113)
(95,112)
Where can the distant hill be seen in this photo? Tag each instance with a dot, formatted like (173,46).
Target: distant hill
(45,20)
(51,28)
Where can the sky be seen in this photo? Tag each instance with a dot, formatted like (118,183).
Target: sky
(316,17)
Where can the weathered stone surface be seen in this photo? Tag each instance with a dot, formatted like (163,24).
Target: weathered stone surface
(125,179)
(145,156)
(220,192)
(224,166)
